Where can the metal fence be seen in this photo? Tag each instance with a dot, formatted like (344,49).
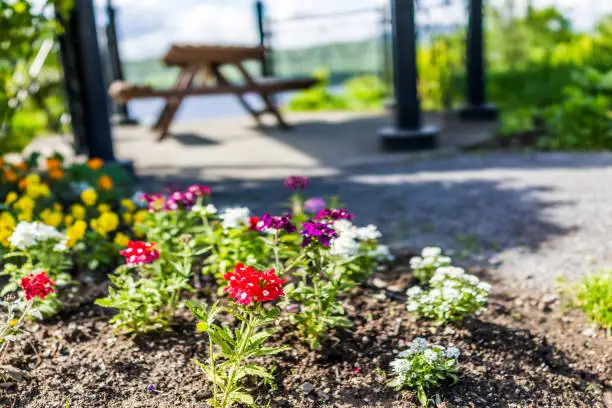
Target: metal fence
(349,42)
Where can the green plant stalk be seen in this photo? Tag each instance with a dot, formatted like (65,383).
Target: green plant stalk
(277,263)
(25,312)
(244,342)
(213,372)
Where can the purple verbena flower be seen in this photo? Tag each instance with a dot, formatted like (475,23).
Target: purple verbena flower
(334,214)
(276,222)
(296,182)
(317,231)
(314,205)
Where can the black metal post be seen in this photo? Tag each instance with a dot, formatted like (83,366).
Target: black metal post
(85,85)
(477,107)
(267,68)
(122,114)
(408,132)
(386,69)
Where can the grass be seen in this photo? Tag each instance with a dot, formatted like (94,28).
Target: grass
(593,295)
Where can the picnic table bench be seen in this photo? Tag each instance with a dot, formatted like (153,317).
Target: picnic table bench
(207,60)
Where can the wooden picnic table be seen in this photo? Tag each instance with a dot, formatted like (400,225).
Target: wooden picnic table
(207,60)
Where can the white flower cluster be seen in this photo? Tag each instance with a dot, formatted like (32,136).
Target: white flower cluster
(453,294)
(424,266)
(29,234)
(209,209)
(235,217)
(422,365)
(350,239)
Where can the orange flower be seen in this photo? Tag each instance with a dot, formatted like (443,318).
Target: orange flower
(53,163)
(1,162)
(23,166)
(10,176)
(56,174)
(95,163)
(105,182)
(23,183)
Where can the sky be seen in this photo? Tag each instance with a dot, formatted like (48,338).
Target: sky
(148,27)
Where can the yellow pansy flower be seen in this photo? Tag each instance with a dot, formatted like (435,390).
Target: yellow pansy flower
(36,190)
(7,225)
(105,223)
(127,218)
(68,220)
(89,197)
(25,204)
(25,216)
(57,207)
(140,216)
(128,204)
(11,198)
(103,208)
(121,239)
(75,233)
(32,178)
(51,218)
(78,211)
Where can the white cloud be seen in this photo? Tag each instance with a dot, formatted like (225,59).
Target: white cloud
(148,27)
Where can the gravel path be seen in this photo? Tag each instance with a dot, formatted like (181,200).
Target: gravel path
(534,215)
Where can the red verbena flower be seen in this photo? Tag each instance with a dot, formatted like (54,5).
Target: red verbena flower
(37,285)
(140,253)
(247,285)
(253,222)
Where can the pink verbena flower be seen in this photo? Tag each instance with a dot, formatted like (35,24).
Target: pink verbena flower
(140,253)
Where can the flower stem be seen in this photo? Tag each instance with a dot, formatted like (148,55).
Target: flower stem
(244,341)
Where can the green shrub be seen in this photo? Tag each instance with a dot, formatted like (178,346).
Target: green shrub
(593,295)
(365,92)
(318,97)
(583,120)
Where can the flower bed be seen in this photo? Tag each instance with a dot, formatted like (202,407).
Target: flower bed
(229,308)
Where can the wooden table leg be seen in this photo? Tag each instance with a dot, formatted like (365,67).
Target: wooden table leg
(245,104)
(270,105)
(172,104)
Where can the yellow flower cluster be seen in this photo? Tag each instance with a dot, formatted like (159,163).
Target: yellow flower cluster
(30,198)
(89,197)
(105,223)
(76,232)
(34,188)
(7,225)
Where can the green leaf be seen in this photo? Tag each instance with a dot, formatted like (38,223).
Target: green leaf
(242,397)
(258,371)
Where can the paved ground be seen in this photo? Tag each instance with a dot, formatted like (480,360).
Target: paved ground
(540,215)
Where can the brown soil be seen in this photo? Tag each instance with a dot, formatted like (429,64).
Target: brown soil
(518,353)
